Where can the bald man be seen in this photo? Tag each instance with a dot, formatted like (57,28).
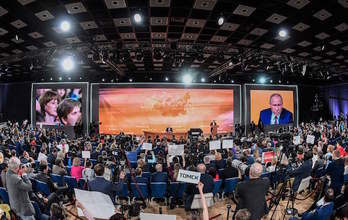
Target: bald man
(251,194)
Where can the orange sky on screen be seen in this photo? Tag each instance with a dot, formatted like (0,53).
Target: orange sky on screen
(259,100)
(134,110)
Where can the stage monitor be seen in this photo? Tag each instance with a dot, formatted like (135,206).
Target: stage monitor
(59,104)
(140,108)
(271,105)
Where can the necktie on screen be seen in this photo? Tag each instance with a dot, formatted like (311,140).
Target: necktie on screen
(276,120)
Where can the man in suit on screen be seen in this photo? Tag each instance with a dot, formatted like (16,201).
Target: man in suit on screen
(276,114)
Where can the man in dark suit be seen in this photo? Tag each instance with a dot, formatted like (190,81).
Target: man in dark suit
(100,184)
(335,170)
(159,175)
(303,171)
(191,189)
(276,114)
(251,194)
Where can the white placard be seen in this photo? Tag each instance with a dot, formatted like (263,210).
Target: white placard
(297,140)
(151,216)
(214,145)
(40,125)
(188,176)
(63,147)
(310,139)
(99,205)
(227,143)
(86,154)
(176,149)
(146,146)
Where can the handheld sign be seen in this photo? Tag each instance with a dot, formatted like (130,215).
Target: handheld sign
(176,149)
(86,154)
(310,139)
(228,143)
(147,146)
(214,145)
(188,176)
(297,140)
(63,147)
(267,156)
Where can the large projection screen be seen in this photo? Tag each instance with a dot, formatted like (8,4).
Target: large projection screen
(271,104)
(62,105)
(139,108)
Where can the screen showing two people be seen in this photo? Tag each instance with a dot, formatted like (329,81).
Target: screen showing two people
(277,110)
(61,106)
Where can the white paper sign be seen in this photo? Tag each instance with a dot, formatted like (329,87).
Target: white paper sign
(86,154)
(151,216)
(98,204)
(310,139)
(64,148)
(176,149)
(297,140)
(228,143)
(214,145)
(147,146)
(188,176)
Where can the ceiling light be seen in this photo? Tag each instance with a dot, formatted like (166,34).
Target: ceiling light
(103,79)
(80,77)
(262,80)
(202,80)
(271,81)
(51,78)
(68,63)
(17,38)
(187,79)
(283,33)
(221,20)
(304,68)
(60,78)
(232,81)
(166,79)
(69,78)
(65,26)
(137,18)
(130,80)
(280,81)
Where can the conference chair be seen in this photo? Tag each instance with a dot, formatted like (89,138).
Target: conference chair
(217,187)
(143,188)
(230,185)
(4,195)
(71,182)
(176,190)
(57,179)
(43,188)
(123,194)
(158,190)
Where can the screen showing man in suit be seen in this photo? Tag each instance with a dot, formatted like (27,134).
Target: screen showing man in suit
(277,110)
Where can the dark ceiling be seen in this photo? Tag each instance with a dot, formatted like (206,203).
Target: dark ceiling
(176,36)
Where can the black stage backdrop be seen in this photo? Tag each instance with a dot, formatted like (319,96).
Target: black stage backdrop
(15,101)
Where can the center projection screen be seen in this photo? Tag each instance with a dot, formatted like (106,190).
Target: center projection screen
(135,109)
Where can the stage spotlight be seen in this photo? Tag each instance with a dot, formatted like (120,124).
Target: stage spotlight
(130,80)
(253,80)
(202,80)
(65,26)
(304,69)
(232,81)
(221,20)
(280,81)
(103,80)
(69,78)
(137,17)
(68,63)
(262,80)
(51,78)
(166,79)
(282,33)
(60,78)
(80,77)
(187,79)
(271,81)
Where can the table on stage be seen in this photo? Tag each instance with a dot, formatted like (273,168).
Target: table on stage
(153,135)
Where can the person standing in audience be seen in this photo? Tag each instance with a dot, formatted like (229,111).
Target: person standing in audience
(59,168)
(335,171)
(100,184)
(18,190)
(251,194)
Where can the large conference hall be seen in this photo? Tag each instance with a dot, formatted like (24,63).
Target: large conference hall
(173,109)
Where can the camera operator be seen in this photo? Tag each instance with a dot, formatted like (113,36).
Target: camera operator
(18,190)
(100,184)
